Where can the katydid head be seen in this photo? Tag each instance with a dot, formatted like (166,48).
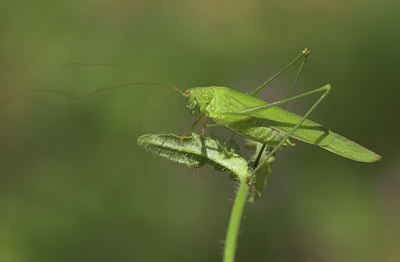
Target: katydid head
(199,97)
(190,94)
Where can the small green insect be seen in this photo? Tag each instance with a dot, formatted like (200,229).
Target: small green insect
(258,120)
(267,123)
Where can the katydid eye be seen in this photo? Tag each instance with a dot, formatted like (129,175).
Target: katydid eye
(187,93)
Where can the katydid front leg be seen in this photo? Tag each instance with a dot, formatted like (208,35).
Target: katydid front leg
(199,120)
(203,131)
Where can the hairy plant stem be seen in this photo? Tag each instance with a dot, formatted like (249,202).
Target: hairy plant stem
(234,222)
(236,215)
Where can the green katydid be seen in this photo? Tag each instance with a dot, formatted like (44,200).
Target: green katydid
(258,120)
(266,123)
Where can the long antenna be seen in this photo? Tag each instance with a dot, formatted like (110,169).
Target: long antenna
(132,67)
(80,97)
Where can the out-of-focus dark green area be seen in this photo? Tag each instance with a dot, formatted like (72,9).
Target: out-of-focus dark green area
(74,186)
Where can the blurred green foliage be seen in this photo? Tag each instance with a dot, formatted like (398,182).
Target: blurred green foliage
(76,187)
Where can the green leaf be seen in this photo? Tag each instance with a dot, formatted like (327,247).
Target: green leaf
(196,151)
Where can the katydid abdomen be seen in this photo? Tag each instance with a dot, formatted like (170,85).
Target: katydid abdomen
(271,125)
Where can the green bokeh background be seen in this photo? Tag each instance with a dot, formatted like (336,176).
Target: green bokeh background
(74,186)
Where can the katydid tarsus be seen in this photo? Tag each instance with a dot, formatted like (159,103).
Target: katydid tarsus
(258,120)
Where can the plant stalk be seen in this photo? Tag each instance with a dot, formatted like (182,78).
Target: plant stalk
(234,222)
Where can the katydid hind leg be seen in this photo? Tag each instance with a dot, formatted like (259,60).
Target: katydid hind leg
(301,67)
(327,88)
(304,54)
(260,108)
(250,111)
